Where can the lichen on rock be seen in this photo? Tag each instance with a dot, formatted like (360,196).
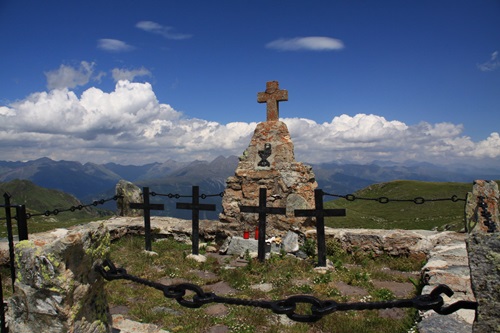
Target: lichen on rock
(57,288)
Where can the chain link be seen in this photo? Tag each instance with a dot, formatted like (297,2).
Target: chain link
(177,196)
(384,200)
(318,308)
(488,222)
(73,208)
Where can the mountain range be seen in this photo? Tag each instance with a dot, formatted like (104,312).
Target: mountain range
(90,181)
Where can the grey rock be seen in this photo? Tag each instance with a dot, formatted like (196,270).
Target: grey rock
(225,246)
(272,248)
(484,260)
(301,254)
(291,242)
(439,324)
(238,246)
(128,193)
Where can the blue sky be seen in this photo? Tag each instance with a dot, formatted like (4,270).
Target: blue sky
(367,80)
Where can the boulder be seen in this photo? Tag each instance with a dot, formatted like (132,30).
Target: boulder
(127,193)
(57,287)
(290,242)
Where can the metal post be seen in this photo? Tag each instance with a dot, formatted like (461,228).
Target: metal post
(195,237)
(22,222)
(195,208)
(261,255)
(3,327)
(147,207)
(10,237)
(319,212)
(320,228)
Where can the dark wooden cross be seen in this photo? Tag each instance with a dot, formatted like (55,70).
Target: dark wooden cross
(195,207)
(147,207)
(272,96)
(262,210)
(319,212)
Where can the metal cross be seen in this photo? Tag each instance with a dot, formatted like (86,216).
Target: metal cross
(195,207)
(272,96)
(147,207)
(319,212)
(262,210)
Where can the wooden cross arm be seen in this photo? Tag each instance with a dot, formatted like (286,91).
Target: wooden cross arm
(316,213)
(267,210)
(190,206)
(135,205)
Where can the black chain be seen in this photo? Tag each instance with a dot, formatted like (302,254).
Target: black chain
(73,208)
(384,200)
(488,222)
(319,308)
(177,196)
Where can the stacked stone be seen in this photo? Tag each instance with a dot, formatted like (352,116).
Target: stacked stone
(269,162)
(447,264)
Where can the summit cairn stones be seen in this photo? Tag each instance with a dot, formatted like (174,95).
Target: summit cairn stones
(269,162)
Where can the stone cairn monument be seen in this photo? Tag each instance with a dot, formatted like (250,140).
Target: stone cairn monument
(269,162)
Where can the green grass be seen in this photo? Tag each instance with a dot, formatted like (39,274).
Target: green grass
(288,276)
(403,215)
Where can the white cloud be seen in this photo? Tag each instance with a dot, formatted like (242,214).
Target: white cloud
(129,75)
(129,125)
(165,31)
(113,45)
(491,64)
(306,43)
(69,77)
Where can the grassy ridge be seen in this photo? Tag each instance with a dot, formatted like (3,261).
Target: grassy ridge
(403,215)
(38,200)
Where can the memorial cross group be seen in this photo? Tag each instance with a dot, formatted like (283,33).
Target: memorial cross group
(194,206)
(271,96)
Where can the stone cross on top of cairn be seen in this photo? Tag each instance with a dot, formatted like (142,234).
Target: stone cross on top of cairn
(272,96)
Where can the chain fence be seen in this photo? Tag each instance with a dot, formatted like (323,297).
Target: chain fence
(384,200)
(288,306)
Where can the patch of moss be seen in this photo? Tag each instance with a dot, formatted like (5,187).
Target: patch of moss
(100,247)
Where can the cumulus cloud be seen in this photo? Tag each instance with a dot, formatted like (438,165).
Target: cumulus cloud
(113,45)
(306,43)
(490,65)
(165,31)
(129,75)
(129,125)
(70,77)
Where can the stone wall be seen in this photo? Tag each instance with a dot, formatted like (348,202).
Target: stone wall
(58,288)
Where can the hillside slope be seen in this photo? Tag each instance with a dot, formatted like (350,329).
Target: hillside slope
(38,200)
(404,215)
